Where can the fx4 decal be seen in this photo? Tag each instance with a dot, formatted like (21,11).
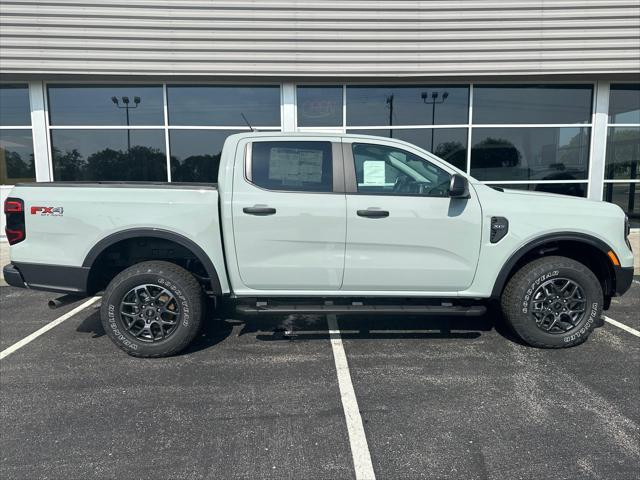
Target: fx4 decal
(47,211)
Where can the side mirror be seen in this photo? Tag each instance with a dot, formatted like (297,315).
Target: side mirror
(459,187)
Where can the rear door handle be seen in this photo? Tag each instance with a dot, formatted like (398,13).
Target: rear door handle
(373,213)
(260,211)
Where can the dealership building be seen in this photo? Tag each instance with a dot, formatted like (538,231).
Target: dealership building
(525,94)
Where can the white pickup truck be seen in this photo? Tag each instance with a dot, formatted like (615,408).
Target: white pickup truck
(320,223)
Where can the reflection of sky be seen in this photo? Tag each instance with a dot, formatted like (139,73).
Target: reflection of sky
(624,104)
(92,105)
(223,105)
(17,141)
(14,106)
(88,142)
(502,104)
(367,106)
(187,143)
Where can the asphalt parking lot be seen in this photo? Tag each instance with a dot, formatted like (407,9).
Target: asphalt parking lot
(438,399)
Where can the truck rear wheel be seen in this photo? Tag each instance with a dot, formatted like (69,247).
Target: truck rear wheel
(553,302)
(152,309)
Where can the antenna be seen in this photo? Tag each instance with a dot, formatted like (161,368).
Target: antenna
(247,122)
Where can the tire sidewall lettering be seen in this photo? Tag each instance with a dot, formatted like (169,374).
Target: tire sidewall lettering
(532,288)
(184,303)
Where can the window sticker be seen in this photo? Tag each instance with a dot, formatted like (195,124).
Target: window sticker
(374,172)
(294,166)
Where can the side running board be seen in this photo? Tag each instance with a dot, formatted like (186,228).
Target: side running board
(358,308)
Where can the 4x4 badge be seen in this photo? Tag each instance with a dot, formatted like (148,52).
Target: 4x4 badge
(47,211)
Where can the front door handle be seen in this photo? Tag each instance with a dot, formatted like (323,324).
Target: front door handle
(373,213)
(260,211)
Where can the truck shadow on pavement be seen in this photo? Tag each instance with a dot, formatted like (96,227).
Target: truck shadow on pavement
(274,328)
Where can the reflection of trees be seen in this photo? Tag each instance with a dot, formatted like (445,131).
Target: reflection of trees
(16,167)
(573,189)
(495,152)
(623,153)
(453,152)
(196,168)
(137,163)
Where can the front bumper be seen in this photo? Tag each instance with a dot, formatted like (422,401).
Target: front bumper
(13,276)
(623,279)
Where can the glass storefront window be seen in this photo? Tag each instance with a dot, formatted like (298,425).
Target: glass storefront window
(501,154)
(450,144)
(195,154)
(623,153)
(16,157)
(573,189)
(138,105)
(532,104)
(15,109)
(407,105)
(319,106)
(109,155)
(224,105)
(627,197)
(624,103)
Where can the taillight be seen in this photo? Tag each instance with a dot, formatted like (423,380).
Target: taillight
(15,229)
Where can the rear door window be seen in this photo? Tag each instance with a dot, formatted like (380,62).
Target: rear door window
(300,166)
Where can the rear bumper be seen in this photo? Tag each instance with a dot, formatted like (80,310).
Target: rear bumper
(12,276)
(624,278)
(51,278)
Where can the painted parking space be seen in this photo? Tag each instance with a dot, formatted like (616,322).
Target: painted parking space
(467,403)
(436,398)
(241,403)
(23,312)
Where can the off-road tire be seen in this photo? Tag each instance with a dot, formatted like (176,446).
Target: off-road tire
(516,301)
(175,279)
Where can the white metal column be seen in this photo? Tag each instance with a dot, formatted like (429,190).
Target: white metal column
(288,107)
(39,129)
(599,140)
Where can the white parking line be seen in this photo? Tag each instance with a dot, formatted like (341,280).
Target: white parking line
(46,328)
(357,438)
(632,331)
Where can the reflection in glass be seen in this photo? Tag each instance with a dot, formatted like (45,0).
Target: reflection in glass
(16,157)
(14,105)
(95,105)
(530,153)
(382,169)
(95,155)
(407,105)
(195,154)
(224,105)
(627,197)
(450,143)
(624,103)
(573,189)
(501,104)
(623,153)
(319,106)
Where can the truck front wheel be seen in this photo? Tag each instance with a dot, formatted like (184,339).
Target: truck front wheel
(553,302)
(152,309)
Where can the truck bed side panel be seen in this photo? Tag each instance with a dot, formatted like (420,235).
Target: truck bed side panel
(91,213)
